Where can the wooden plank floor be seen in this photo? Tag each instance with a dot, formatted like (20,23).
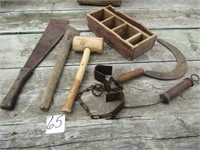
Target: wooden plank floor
(174,126)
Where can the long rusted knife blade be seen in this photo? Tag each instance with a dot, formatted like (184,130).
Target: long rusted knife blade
(177,72)
(52,34)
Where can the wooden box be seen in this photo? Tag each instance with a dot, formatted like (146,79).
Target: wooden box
(127,36)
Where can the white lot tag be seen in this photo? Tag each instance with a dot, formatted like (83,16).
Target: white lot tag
(55,124)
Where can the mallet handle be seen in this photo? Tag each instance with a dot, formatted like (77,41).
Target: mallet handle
(68,105)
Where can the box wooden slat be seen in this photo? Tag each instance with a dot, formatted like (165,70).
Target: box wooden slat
(127,36)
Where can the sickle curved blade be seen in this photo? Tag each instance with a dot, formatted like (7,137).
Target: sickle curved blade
(179,71)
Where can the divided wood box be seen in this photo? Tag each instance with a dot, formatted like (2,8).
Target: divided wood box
(121,32)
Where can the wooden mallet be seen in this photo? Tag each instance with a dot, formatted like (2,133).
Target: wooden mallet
(87,45)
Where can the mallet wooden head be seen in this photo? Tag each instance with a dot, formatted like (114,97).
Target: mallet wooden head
(95,44)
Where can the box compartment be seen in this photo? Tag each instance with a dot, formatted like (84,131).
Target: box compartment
(127,36)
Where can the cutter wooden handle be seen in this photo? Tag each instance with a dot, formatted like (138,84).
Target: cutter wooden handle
(68,105)
(11,98)
(57,70)
(173,92)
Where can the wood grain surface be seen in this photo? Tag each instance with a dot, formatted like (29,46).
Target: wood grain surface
(174,126)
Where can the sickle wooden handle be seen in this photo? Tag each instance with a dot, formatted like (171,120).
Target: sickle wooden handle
(68,105)
(129,75)
(11,98)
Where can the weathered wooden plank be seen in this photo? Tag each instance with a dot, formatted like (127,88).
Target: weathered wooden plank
(145,133)
(15,49)
(155,127)
(46,5)
(174,126)
(140,91)
(154,19)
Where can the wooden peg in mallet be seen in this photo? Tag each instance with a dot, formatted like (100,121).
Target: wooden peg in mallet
(85,45)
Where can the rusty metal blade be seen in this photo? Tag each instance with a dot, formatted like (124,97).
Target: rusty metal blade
(179,71)
(54,31)
(52,34)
